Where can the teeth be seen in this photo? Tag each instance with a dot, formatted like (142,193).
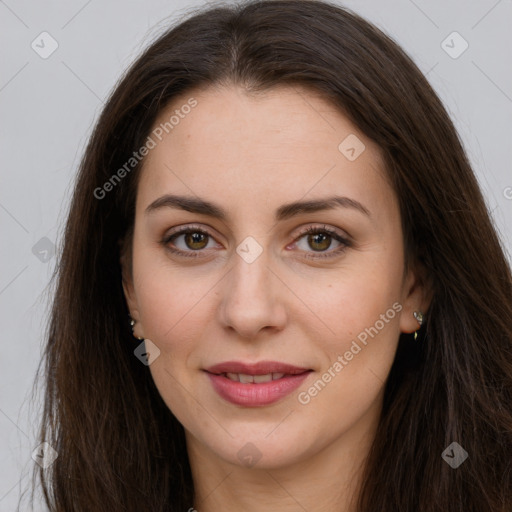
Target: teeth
(251,379)
(262,378)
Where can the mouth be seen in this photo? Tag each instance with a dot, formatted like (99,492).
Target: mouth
(255,384)
(259,369)
(246,378)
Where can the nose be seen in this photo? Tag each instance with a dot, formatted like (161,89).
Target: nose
(252,298)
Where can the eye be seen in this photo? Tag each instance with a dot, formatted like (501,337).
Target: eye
(320,239)
(193,241)
(189,241)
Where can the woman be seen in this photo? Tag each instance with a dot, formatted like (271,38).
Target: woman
(280,288)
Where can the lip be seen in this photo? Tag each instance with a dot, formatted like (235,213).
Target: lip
(259,368)
(256,394)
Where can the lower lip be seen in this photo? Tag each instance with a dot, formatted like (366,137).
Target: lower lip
(256,395)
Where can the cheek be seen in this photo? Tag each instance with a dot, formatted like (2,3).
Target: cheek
(356,360)
(171,307)
(165,299)
(166,293)
(359,313)
(173,313)
(349,302)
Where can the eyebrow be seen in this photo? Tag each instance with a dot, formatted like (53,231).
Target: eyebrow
(286,211)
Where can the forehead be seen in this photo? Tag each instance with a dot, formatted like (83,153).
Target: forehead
(251,150)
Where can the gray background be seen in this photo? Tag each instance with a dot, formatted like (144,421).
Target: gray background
(48,107)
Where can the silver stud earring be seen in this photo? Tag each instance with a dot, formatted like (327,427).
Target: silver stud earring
(419,318)
(132,323)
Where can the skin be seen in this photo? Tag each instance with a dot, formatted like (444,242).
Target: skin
(251,154)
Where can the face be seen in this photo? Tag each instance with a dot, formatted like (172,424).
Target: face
(224,270)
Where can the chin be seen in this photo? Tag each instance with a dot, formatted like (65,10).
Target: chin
(255,451)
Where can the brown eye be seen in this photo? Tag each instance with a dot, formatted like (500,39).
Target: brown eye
(318,240)
(195,240)
(188,241)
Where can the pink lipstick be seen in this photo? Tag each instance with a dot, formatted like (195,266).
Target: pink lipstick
(255,384)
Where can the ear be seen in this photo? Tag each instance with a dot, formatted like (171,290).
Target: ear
(127,279)
(416,296)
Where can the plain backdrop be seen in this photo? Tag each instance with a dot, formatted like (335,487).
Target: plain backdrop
(49,105)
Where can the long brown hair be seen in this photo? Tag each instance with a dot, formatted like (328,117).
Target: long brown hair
(119,446)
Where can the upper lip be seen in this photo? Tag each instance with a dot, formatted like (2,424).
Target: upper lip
(259,368)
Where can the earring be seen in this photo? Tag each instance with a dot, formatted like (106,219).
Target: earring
(132,323)
(419,318)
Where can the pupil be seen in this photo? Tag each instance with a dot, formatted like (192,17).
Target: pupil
(318,238)
(195,238)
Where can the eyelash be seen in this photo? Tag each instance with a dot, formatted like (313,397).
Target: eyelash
(311,230)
